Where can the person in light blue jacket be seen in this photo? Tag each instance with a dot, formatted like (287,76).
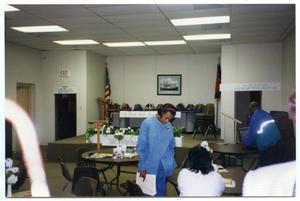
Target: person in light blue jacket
(155,147)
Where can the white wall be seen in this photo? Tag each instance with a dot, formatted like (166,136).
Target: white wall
(95,84)
(288,70)
(26,65)
(52,61)
(134,78)
(23,65)
(250,63)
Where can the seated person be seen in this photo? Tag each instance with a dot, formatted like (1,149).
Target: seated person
(201,179)
(262,131)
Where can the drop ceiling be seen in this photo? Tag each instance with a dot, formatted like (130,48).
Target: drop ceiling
(148,22)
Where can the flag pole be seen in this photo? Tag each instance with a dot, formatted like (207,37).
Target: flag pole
(217,90)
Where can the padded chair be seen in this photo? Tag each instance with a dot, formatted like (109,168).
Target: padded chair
(101,168)
(134,189)
(87,172)
(65,172)
(85,186)
(242,133)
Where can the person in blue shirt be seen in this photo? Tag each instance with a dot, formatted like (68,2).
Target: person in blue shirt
(262,132)
(155,147)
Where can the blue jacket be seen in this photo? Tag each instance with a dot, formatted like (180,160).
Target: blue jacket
(156,145)
(262,131)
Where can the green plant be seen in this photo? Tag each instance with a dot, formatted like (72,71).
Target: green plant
(178,131)
(89,133)
(133,131)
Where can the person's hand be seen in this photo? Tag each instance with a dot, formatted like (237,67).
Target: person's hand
(143,174)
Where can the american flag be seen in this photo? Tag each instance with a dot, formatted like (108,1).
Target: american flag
(107,91)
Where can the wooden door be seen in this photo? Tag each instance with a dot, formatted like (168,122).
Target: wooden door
(24,98)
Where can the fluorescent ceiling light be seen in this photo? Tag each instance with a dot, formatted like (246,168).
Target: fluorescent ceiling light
(76,42)
(166,42)
(208,36)
(40,29)
(9,8)
(200,20)
(124,44)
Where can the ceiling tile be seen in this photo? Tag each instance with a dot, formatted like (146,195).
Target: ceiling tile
(198,13)
(135,17)
(124,23)
(125,9)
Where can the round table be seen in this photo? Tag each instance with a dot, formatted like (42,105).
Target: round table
(111,161)
(227,150)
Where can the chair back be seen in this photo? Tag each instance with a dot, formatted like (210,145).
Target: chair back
(209,109)
(64,169)
(242,133)
(134,189)
(86,172)
(86,186)
(181,154)
(285,149)
(79,160)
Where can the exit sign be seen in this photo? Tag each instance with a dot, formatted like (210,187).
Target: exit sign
(64,72)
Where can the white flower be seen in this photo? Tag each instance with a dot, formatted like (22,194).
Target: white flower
(111,127)
(129,128)
(12,170)
(8,163)
(119,133)
(12,179)
(132,130)
(15,169)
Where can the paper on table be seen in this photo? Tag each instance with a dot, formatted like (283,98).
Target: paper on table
(149,185)
(229,183)
(130,155)
(101,155)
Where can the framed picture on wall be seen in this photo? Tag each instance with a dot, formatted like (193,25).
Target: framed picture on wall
(169,84)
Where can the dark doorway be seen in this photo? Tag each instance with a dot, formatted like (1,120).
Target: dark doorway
(242,100)
(65,116)
(8,139)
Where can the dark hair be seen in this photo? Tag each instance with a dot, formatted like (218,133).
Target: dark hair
(168,107)
(200,159)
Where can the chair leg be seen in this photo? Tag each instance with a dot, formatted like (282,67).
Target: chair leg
(125,193)
(65,185)
(105,179)
(195,131)
(206,133)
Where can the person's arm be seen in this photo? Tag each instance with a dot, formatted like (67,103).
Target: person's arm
(142,148)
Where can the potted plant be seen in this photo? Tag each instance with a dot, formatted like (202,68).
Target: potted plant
(178,131)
